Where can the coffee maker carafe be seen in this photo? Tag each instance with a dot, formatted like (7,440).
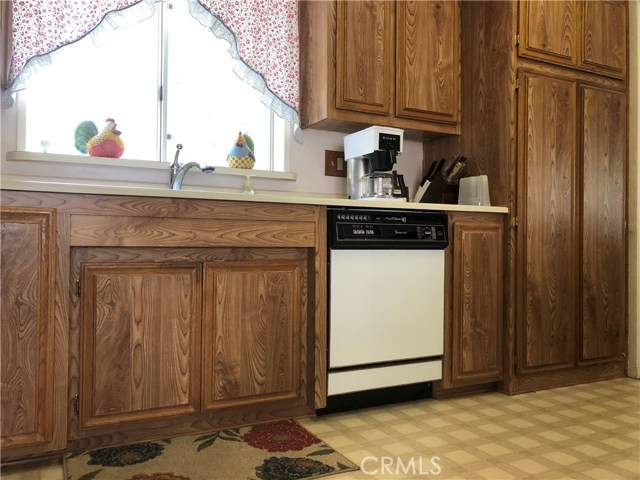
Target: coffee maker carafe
(371,154)
(379,182)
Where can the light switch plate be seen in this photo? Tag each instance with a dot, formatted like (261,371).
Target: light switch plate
(334,164)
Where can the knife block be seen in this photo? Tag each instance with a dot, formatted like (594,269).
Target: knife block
(440,191)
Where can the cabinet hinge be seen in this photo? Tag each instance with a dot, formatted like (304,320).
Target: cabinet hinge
(517,83)
(515,359)
(515,222)
(76,405)
(517,39)
(78,287)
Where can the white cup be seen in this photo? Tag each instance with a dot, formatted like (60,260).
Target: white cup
(474,191)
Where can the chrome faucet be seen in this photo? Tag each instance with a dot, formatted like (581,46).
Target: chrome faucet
(178,171)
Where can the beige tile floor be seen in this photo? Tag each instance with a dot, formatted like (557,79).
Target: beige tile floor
(589,431)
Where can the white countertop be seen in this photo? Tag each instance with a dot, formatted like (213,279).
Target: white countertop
(39,184)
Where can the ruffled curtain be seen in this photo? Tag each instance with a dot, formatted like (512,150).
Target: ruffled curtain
(40,28)
(263,37)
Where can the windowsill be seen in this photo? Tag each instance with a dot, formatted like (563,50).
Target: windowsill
(124,163)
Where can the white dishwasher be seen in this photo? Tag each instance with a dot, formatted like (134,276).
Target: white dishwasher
(386,305)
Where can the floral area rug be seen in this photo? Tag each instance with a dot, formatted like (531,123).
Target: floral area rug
(281,450)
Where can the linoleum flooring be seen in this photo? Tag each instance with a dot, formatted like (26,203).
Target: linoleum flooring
(589,431)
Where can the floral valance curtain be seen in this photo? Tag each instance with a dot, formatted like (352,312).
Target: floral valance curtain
(263,37)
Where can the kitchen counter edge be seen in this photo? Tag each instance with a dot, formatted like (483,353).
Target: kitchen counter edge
(93,187)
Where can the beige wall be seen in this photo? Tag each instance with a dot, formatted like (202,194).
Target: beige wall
(634,180)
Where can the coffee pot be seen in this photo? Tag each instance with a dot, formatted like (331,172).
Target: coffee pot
(371,154)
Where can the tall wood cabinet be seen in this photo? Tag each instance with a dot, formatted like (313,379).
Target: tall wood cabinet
(602,268)
(380,62)
(572,239)
(547,235)
(33,367)
(553,141)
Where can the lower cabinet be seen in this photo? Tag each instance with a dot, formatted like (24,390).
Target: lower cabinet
(140,341)
(169,335)
(254,319)
(473,350)
(33,368)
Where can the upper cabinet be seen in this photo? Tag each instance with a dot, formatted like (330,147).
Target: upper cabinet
(364,57)
(585,35)
(381,62)
(428,61)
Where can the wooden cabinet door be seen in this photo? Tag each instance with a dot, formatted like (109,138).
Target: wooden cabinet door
(604,45)
(27,329)
(364,56)
(255,330)
(604,140)
(587,35)
(428,60)
(549,30)
(139,342)
(547,245)
(477,298)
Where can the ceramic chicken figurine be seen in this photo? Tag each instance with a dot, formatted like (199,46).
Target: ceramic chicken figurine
(104,144)
(241,154)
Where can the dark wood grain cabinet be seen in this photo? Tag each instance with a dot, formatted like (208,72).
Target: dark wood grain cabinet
(473,350)
(603,173)
(381,62)
(547,239)
(33,374)
(550,131)
(587,35)
(572,295)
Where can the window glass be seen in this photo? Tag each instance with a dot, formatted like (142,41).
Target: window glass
(207,104)
(116,80)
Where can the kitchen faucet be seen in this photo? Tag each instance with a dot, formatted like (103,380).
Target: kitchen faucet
(178,171)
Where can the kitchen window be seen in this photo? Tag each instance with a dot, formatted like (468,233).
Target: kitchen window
(165,81)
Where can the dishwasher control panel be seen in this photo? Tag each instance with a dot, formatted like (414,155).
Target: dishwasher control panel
(398,229)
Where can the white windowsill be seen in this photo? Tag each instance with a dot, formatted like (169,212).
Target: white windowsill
(124,163)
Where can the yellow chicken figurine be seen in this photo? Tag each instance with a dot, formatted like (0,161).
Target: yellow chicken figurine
(107,143)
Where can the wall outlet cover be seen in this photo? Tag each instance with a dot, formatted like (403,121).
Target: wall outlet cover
(334,164)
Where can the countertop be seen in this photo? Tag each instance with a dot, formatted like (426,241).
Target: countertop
(99,187)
